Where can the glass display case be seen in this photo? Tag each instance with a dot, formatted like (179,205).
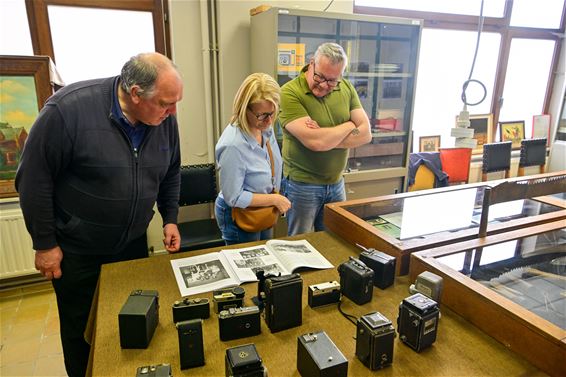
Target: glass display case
(382,53)
(511,285)
(409,222)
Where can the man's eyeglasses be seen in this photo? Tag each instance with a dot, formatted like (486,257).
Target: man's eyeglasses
(320,79)
(263,116)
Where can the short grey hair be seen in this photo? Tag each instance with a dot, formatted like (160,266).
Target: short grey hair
(333,52)
(142,70)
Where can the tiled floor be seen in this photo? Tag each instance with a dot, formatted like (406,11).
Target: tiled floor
(30,343)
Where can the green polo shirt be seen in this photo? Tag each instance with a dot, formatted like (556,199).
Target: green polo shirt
(297,101)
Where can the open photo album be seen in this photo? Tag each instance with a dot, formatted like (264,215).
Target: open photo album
(226,268)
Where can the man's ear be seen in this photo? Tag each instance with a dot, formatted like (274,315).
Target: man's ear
(135,94)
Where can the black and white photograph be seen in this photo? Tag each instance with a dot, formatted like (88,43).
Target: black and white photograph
(291,248)
(270,269)
(249,262)
(203,273)
(254,253)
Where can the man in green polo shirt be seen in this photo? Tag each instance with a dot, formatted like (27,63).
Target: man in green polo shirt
(322,118)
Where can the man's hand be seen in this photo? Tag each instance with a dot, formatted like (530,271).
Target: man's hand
(48,262)
(172,238)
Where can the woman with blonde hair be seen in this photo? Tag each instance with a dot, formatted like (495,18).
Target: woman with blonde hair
(249,160)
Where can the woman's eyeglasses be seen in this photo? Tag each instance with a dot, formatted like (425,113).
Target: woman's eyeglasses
(263,116)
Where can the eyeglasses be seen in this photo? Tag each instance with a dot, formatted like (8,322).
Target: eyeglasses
(263,116)
(320,79)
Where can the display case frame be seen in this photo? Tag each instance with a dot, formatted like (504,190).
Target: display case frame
(540,341)
(340,219)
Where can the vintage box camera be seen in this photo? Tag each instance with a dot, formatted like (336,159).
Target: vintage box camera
(317,355)
(356,281)
(236,323)
(428,284)
(374,341)
(244,361)
(418,321)
(191,309)
(383,266)
(191,346)
(324,294)
(159,370)
(283,302)
(224,299)
(138,319)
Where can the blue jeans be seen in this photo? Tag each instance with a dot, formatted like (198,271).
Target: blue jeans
(307,204)
(231,233)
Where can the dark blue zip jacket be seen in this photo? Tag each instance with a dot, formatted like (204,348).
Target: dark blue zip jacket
(81,185)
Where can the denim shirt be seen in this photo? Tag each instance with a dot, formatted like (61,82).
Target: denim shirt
(244,166)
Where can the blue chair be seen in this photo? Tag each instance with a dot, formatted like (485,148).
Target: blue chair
(533,153)
(496,157)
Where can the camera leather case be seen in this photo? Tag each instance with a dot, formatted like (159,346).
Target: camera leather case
(318,356)
(138,319)
(243,361)
(283,302)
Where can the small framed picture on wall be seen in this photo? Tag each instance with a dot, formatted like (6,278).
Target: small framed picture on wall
(429,143)
(512,131)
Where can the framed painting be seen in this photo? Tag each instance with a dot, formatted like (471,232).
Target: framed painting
(429,143)
(483,127)
(25,86)
(512,131)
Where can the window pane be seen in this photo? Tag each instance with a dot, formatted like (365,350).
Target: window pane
(492,8)
(543,14)
(526,80)
(14,30)
(444,65)
(85,50)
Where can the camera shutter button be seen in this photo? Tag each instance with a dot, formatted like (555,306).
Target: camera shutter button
(196,300)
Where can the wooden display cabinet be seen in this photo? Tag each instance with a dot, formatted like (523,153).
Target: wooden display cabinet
(510,285)
(404,223)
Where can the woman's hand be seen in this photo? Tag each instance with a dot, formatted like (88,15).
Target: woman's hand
(282,203)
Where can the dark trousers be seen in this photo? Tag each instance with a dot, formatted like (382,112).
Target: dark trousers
(75,291)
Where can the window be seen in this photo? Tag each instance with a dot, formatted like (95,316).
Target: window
(15,38)
(517,57)
(76,33)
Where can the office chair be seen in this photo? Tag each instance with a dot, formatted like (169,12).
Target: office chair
(456,163)
(198,186)
(533,153)
(496,157)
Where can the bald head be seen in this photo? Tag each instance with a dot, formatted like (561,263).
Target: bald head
(143,70)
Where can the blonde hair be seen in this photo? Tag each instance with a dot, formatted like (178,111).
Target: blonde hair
(256,87)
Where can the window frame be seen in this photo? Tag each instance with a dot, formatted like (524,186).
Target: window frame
(40,31)
(491,24)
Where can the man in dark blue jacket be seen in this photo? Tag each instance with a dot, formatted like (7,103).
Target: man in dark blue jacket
(99,156)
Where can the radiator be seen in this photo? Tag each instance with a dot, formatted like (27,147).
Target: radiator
(16,252)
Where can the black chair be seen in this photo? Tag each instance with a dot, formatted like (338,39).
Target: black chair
(198,186)
(496,157)
(533,153)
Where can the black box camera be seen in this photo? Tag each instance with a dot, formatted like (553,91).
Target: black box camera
(236,323)
(318,356)
(383,266)
(227,298)
(324,294)
(374,341)
(159,370)
(417,323)
(283,302)
(138,319)
(186,309)
(356,281)
(243,361)
(191,345)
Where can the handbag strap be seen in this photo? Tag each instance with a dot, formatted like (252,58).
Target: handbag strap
(268,145)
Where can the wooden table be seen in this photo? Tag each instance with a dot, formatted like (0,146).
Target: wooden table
(460,349)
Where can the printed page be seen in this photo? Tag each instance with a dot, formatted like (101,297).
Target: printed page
(295,254)
(203,273)
(246,262)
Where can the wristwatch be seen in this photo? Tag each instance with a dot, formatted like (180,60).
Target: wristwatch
(355,131)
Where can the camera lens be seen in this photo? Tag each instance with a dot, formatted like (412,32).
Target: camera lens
(238,291)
